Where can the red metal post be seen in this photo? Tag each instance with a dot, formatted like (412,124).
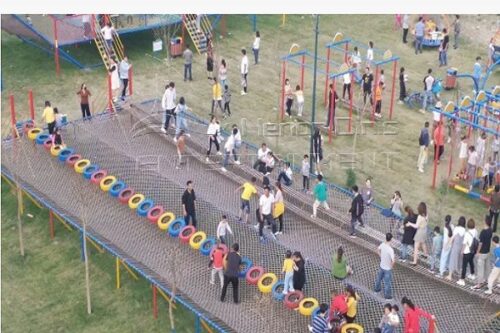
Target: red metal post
(327,79)
(13,115)
(130,80)
(183,34)
(351,93)
(92,25)
(51,224)
(31,105)
(155,302)
(394,69)
(223,25)
(106,19)
(453,136)
(56,46)
(332,112)
(110,94)
(283,79)
(302,72)
(345,52)
(374,89)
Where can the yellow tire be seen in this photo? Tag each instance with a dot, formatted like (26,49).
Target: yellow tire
(266,282)
(107,182)
(55,150)
(135,200)
(307,306)
(352,328)
(165,219)
(80,165)
(461,189)
(33,133)
(196,240)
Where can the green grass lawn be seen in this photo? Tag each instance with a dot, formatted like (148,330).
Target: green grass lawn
(44,291)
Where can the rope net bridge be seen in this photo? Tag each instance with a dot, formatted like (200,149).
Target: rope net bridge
(134,152)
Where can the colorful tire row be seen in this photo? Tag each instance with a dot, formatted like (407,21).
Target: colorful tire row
(470,194)
(166,221)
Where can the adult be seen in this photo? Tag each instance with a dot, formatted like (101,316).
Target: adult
(320,195)
(403,78)
(423,142)
(494,209)
(180,118)
(265,210)
(457,240)
(244,72)
(390,319)
(286,175)
(237,143)
(369,54)
(216,97)
(443,49)
(439,139)
(248,190)
(115,79)
(210,66)
(356,210)
(260,163)
(472,164)
(232,263)
(223,73)
(447,245)
(217,263)
(481,148)
(168,104)
(491,52)
(299,94)
(188,204)
(406,26)
(347,85)
(333,98)
(256,47)
(320,323)
(483,254)
(469,251)
(367,193)
(419,34)
(352,304)
(428,82)
(107,32)
(457,28)
(228,150)
(477,70)
(222,229)
(317,150)
(278,206)
(367,79)
(412,316)
(299,274)
(180,142)
(188,63)
(49,117)
(421,234)
(288,97)
(386,253)
(84,94)
(397,204)
(124,71)
(495,272)
(340,268)
(213,133)
(409,230)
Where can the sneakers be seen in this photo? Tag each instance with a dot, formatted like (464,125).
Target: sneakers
(243,93)
(163,130)
(471,277)
(188,135)
(313,216)
(352,235)
(237,162)
(488,292)
(207,159)
(401,102)
(223,169)
(421,170)
(219,153)
(256,227)
(401,260)
(476,287)
(262,239)
(421,111)
(461,282)
(276,233)
(212,282)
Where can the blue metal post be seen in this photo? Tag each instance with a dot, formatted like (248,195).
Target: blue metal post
(81,247)
(254,22)
(197,324)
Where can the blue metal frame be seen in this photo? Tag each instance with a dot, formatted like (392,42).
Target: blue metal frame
(451,115)
(334,45)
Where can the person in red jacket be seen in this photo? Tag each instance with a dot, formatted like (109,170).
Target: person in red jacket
(412,316)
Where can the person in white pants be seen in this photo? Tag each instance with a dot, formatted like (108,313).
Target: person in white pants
(495,272)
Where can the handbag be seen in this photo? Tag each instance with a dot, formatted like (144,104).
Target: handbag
(279,209)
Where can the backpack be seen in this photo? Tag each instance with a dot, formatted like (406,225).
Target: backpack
(475,244)
(437,87)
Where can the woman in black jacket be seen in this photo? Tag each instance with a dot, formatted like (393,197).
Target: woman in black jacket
(299,274)
(408,232)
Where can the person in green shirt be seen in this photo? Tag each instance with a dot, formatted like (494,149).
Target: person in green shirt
(340,269)
(320,195)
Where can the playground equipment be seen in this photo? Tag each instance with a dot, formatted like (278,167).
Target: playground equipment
(341,44)
(199,29)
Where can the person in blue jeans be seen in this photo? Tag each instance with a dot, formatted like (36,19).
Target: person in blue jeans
(286,175)
(437,247)
(419,34)
(180,119)
(386,253)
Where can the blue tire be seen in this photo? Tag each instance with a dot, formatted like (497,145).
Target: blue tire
(174,229)
(278,290)
(64,154)
(144,207)
(247,264)
(316,312)
(88,171)
(117,188)
(207,245)
(41,138)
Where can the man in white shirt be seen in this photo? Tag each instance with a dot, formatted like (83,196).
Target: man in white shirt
(168,104)
(428,82)
(123,72)
(228,150)
(347,85)
(260,164)
(265,213)
(256,47)
(406,26)
(386,253)
(107,33)
(244,71)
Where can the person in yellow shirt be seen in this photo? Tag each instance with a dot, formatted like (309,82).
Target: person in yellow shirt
(216,96)
(352,304)
(288,264)
(49,117)
(378,100)
(248,190)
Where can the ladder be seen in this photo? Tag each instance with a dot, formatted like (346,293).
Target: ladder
(199,37)
(105,51)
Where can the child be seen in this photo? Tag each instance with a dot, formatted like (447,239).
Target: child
(222,230)
(305,173)
(58,117)
(216,262)
(437,246)
(288,270)
(299,94)
(378,100)
(338,310)
(227,99)
(352,304)
(394,316)
(57,138)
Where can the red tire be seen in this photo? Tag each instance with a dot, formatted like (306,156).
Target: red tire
(47,144)
(155,213)
(224,249)
(98,176)
(186,233)
(125,195)
(254,274)
(71,160)
(292,299)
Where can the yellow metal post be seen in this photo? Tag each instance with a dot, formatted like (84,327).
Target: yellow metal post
(283,20)
(117,273)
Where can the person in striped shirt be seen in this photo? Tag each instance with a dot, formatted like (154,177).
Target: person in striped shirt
(319,323)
